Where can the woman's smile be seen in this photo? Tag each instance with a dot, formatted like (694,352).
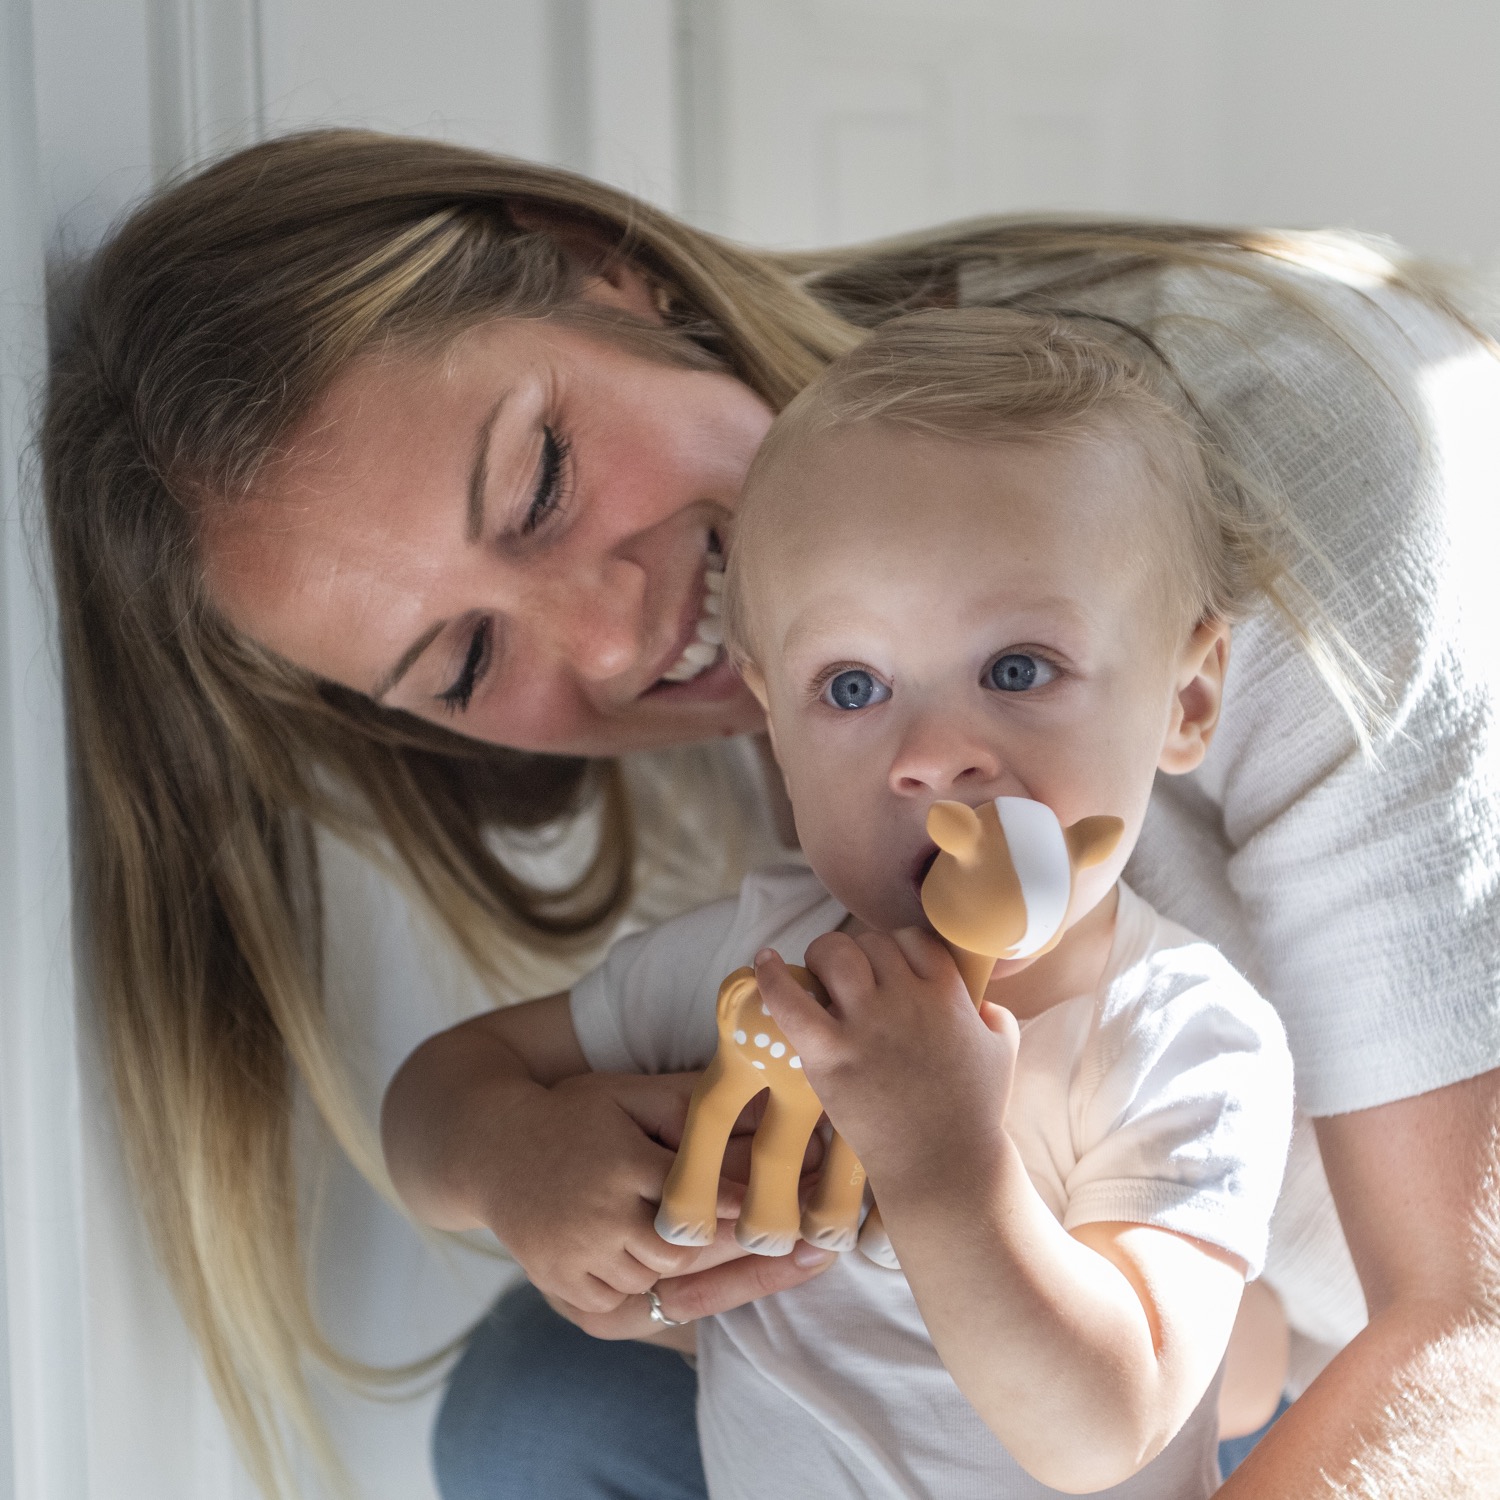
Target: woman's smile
(702,645)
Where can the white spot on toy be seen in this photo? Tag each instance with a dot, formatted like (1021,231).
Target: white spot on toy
(762,1040)
(741,1037)
(796,1061)
(778,1049)
(757,1063)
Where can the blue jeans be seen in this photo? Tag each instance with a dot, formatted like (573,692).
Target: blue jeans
(537,1410)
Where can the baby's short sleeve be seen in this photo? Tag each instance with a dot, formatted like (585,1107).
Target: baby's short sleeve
(650,1006)
(1182,1105)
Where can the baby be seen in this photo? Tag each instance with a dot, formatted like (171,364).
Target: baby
(983,556)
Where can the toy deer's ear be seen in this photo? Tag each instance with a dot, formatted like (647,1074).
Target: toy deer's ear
(1091,841)
(954,828)
(732,991)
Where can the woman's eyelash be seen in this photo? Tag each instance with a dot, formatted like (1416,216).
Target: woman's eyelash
(549,484)
(456,698)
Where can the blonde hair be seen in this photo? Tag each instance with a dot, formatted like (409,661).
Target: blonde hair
(201,333)
(997,375)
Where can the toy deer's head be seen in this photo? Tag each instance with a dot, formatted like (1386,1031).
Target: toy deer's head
(1003,878)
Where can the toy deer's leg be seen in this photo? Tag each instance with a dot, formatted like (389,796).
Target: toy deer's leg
(689,1201)
(832,1218)
(875,1243)
(771,1217)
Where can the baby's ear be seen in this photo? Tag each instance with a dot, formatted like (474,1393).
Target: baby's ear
(1198,697)
(1091,841)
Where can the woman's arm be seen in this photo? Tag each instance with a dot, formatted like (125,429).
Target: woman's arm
(1411,1408)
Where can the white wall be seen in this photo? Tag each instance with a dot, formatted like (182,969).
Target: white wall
(1380,115)
(827,120)
(784,121)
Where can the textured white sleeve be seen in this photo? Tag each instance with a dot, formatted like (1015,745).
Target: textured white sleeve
(1362,894)
(1183,1108)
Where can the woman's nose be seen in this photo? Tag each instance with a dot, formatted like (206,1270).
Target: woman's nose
(595,620)
(941,754)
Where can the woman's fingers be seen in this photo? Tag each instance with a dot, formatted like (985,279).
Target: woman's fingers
(719,1288)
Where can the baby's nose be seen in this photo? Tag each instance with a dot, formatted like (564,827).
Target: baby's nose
(942,756)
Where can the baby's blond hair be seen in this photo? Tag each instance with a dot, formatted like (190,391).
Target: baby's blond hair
(996,375)
(1000,376)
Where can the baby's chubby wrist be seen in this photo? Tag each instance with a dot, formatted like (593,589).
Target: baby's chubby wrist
(916,1175)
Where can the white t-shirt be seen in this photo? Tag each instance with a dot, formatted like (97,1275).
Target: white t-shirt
(1163,1098)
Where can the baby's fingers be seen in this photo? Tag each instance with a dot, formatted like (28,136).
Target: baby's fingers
(794,1010)
(926,957)
(843,967)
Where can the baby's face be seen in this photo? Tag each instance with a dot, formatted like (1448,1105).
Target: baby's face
(937,619)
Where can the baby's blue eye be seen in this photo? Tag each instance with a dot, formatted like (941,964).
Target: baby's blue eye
(855,689)
(1015,672)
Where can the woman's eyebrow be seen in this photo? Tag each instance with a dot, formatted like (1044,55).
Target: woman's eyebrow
(408,660)
(479,472)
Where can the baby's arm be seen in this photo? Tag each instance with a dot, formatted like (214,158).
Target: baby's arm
(498,1122)
(1084,1352)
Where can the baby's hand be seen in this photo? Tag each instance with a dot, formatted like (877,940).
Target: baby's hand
(912,1076)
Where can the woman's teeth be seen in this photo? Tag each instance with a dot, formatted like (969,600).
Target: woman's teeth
(704,650)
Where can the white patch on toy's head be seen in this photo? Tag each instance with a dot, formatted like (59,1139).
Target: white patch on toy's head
(1039,856)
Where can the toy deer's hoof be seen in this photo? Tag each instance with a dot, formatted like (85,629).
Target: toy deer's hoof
(676,1230)
(765,1241)
(840,1237)
(875,1244)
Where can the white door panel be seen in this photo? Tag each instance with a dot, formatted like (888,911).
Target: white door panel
(840,120)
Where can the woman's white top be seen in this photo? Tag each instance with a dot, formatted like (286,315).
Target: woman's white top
(1162,1097)
(1360,894)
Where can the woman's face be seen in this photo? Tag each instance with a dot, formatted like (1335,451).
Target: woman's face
(510,539)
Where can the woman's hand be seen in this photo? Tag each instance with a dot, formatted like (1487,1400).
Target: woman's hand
(573,1187)
(497,1123)
(721,1276)
(572,1200)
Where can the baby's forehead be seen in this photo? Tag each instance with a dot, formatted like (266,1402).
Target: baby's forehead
(882,498)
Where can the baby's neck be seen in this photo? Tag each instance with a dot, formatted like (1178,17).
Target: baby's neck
(1072,968)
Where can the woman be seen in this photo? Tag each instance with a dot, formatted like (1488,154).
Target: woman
(382,480)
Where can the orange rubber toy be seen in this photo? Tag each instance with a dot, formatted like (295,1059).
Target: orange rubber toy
(999,888)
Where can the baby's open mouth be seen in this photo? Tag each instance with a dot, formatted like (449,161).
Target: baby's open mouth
(707,645)
(922,866)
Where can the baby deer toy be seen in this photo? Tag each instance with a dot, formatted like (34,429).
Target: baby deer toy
(999,888)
